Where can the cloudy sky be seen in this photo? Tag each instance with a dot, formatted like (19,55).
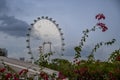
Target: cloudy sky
(73,16)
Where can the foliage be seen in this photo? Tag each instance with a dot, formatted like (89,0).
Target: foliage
(99,25)
(90,69)
(115,56)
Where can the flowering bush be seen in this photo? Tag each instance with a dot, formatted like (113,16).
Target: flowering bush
(90,69)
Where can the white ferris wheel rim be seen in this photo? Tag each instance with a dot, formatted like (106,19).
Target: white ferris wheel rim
(42,20)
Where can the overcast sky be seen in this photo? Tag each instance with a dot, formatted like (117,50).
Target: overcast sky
(73,16)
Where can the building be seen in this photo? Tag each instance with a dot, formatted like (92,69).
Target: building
(3,52)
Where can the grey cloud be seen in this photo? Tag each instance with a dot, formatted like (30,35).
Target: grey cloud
(9,24)
(12,26)
(3,7)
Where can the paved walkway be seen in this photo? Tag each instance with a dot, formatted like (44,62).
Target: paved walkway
(18,65)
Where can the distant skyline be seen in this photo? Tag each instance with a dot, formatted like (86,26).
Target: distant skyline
(73,16)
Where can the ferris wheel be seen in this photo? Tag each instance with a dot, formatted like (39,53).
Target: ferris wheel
(44,36)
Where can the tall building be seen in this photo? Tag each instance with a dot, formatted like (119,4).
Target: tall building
(3,52)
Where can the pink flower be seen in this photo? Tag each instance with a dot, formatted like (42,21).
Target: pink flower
(102,26)
(23,71)
(100,16)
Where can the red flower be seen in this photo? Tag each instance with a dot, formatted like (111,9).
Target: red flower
(16,77)
(2,70)
(23,71)
(103,26)
(44,75)
(110,74)
(111,77)
(118,58)
(81,70)
(8,75)
(78,62)
(76,71)
(61,76)
(100,16)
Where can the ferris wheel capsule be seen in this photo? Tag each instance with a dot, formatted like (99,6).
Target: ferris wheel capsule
(46,17)
(32,24)
(57,25)
(42,17)
(38,18)
(35,20)
(50,19)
